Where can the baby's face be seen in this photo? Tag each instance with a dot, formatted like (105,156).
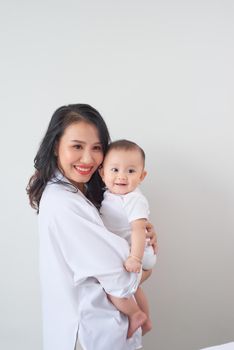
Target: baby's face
(123,170)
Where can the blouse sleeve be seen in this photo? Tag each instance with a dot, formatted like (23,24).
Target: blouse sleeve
(89,249)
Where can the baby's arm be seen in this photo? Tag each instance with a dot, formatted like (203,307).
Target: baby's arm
(138,236)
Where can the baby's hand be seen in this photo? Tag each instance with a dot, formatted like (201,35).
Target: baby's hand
(132,264)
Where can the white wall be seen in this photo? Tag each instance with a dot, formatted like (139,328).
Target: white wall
(161,73)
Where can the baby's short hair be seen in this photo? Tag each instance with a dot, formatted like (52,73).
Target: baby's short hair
(126,145)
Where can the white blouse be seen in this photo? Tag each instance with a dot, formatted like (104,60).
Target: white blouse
(81,261)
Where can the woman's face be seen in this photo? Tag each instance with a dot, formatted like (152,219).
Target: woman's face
(79,153)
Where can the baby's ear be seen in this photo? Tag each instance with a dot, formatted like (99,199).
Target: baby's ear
(143,175)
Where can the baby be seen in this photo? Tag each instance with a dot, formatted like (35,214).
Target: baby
(124,210)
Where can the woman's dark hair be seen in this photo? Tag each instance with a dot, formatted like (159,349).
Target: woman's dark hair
(45,161)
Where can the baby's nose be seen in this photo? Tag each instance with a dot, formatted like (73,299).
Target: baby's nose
(121,175)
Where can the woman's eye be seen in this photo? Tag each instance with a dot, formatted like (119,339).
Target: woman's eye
(77,146)
(98,148)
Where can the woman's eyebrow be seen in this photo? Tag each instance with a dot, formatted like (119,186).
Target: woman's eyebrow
(77,141)
(83,142)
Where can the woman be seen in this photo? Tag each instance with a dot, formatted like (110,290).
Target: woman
(80,261)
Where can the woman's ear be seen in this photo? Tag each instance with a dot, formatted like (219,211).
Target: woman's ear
(56,149)
(100,170)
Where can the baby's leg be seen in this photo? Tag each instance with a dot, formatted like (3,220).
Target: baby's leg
(130,308)
(143,304)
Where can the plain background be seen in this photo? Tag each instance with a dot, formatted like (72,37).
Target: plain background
(161,73)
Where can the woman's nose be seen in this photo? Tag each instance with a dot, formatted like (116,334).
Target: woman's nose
(86,157)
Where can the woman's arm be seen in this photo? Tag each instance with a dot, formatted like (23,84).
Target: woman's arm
(151,234)
(87,247)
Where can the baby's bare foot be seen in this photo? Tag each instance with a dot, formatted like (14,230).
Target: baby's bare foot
(136,321)
(146,327)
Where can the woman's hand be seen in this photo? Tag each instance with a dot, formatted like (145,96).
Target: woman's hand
(145,275)
(152,236)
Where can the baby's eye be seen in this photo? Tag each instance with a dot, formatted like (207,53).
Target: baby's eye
(131,171)
(114,170)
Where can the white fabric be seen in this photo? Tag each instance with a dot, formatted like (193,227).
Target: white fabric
(79,261)
(117,213)
(228,346)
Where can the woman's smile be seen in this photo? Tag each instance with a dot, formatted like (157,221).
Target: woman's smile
(83,170)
